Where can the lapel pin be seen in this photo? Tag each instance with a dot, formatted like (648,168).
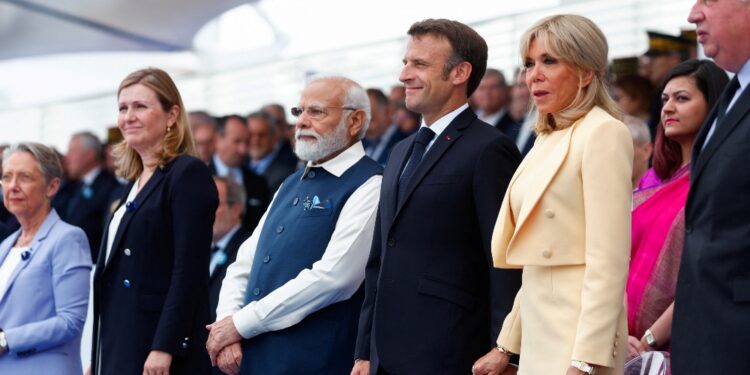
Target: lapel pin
(25,255)
(448,137)
(130,206)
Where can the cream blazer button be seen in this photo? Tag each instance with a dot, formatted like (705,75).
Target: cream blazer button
(549,213)
(547,254)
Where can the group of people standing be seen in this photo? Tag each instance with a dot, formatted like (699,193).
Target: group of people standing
(458,257)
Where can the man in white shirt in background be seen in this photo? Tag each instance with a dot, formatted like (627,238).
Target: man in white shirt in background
(290,303)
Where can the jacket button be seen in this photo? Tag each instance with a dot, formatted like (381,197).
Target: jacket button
(311,174)
(295,201)
(391,242)
(267,259)
(547,254)
(127,252)
(126,283)
(184,345)
(256,291)
(688,229)
(280,229)
(549,213)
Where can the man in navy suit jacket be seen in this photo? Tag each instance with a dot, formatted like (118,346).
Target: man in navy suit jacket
(433,302)
(87,198)
(229,234)
(712,303)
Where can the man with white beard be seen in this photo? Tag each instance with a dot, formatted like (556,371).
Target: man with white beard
(290,302)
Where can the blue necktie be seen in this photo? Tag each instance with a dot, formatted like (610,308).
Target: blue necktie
(423,138)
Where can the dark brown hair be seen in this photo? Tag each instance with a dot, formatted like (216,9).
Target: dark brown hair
(466,43)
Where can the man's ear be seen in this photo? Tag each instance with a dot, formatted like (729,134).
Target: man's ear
(355,122)
(461,73)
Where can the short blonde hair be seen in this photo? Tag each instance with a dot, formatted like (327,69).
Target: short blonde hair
(578,42)
(178,141)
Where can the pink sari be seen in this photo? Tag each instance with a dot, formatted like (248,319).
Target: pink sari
(658,235)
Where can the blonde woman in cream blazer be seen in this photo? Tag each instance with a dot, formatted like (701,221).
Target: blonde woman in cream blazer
(565,217)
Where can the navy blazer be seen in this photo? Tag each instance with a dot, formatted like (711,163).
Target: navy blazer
(152,291)
(433,302)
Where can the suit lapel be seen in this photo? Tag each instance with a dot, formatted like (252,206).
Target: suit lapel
(140,198)
(543,176)
(41,234)
(442,143)
(732,118)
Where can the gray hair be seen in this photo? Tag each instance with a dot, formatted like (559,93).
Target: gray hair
(356,97)
(201,118)
(235,192)
(638,130)
(263,116)
(46,157)
(91,142)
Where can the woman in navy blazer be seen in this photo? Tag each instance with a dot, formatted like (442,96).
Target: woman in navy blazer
(151,278)
(44,270)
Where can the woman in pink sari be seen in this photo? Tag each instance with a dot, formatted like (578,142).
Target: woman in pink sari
(688,93)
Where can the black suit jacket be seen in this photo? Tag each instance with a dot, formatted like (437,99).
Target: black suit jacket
(280,168)
(216,278)
(258,195)
(89,211)
(711,323)
(4,231)
(433,302)
(152,292)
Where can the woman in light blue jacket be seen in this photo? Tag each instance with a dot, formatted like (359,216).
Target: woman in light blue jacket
(44,270)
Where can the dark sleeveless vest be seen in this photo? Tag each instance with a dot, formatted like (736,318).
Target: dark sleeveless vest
(295,235)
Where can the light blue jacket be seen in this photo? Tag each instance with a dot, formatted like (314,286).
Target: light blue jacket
(44,307)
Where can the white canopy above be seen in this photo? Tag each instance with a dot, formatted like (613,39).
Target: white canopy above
(42,27)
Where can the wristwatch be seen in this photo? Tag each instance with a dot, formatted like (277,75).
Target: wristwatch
(648,336)
(3,343)
(583,367)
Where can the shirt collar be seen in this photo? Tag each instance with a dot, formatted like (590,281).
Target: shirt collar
(342,162)
(744,75)
(222,169)
(222,243)
(89,178)
(439,126)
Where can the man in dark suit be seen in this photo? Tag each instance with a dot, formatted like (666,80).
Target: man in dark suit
(88,195)
(4,231)
(433,302)
(712,304)
(228,235)
(267,158)
(232,139)
(383,133)
(492,99)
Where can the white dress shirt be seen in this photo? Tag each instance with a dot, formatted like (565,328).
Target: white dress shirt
(743,76)
(114,224)
(9,265)
(333,278)
(223,170)
(442,123)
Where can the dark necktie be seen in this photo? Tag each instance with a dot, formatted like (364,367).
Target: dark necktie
(734,84)
(422,139)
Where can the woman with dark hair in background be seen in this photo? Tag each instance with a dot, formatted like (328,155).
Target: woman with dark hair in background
(689,91)
(151,279)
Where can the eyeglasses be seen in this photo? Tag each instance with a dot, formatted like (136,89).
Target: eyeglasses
(317,112)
